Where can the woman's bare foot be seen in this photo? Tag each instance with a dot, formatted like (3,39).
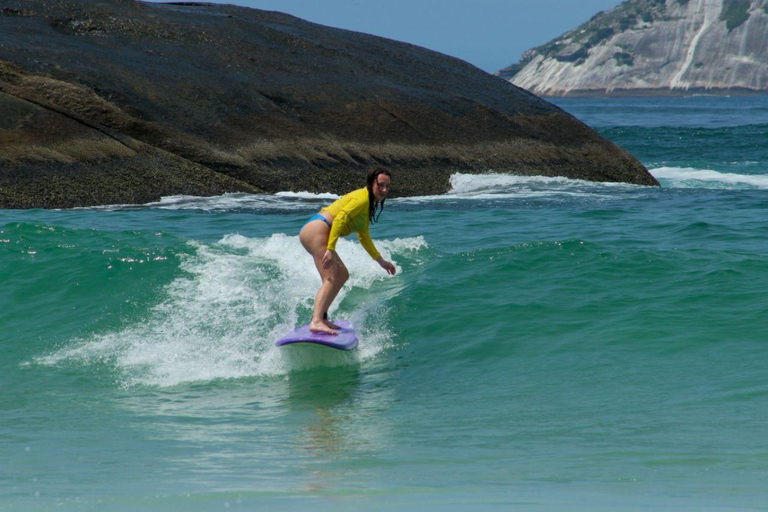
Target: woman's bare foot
(331,324)
(320,327)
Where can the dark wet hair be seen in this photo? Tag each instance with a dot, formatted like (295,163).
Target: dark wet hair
(373,204)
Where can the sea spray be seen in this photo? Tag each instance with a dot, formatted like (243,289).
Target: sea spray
(219,320)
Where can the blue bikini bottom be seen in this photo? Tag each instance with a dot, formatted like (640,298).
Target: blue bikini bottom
(317,216)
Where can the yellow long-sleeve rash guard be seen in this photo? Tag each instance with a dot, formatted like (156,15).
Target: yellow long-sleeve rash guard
(350,214)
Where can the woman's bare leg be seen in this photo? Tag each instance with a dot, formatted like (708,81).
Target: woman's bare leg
(314,238)
(333,278)
(341,275)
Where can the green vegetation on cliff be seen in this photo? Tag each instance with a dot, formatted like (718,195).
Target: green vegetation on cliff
(574,46)
(655,47)
(735,12)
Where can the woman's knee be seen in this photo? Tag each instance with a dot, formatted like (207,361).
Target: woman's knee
(338,276)
(343,274)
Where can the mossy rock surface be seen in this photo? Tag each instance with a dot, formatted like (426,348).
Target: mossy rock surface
(122,101)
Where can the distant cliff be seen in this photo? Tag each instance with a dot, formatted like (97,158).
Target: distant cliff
(116,101)
(655,47)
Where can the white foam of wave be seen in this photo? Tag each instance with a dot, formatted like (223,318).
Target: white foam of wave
(500,186)
(463,186)
(472,183)
(238,296)
(686,177)
(230,202)
(308,195)
(227,202)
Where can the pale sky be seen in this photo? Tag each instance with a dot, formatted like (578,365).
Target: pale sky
(491,34)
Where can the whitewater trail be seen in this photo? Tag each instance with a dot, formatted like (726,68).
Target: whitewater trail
(235,298)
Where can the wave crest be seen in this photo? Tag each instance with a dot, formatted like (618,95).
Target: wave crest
(237,296)
(687,177)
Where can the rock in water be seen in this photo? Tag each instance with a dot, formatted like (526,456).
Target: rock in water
(655,47)
(123,102)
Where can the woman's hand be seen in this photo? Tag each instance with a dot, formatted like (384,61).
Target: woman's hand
(327,260)
(389,267)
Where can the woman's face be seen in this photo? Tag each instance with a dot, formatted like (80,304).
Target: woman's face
(381,187)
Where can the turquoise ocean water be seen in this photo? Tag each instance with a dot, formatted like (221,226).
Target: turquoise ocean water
(547,344)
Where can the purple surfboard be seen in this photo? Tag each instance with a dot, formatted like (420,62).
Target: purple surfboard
(345,340)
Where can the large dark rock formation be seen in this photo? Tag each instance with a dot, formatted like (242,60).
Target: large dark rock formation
(123,102)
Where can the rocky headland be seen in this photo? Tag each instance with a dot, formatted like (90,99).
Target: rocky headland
(117,101)
(655,47)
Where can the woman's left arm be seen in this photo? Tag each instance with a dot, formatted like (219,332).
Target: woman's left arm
(386,265)
(367,243)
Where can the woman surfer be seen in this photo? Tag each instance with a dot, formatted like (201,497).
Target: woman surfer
(351,213)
